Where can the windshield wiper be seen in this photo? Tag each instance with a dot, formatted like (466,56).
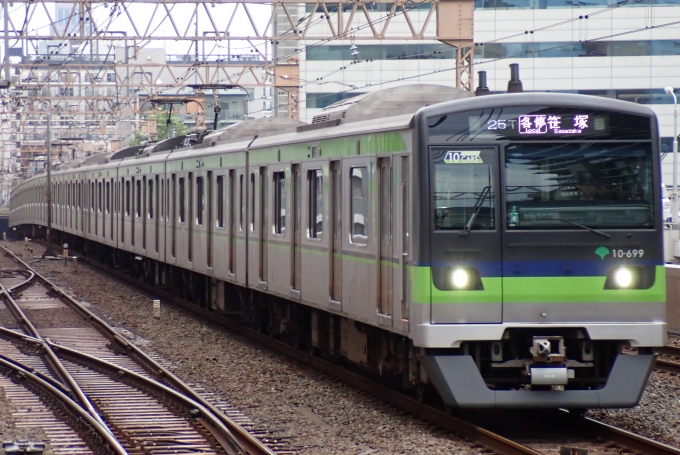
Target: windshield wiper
(475,211)
(603,234)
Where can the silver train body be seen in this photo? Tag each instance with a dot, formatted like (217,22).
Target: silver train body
(324,232)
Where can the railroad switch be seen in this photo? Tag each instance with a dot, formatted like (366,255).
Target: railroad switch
(23,447)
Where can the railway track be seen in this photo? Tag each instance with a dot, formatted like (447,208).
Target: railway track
(594,436)
(77,363)
(669,360)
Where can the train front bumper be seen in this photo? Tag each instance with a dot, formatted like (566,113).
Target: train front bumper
(460,384)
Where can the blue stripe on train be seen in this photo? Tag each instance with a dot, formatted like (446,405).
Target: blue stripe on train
(544,268)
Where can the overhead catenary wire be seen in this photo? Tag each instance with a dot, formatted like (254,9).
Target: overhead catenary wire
(117,108)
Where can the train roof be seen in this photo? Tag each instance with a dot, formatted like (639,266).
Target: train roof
(251,128)
(389,102)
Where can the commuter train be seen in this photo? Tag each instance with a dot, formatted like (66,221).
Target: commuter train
(503,249)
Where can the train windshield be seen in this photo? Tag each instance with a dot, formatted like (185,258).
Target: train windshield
(572,185)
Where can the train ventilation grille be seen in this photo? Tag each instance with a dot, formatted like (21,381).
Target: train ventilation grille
(321,118)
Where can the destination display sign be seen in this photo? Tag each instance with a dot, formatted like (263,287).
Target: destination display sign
(530,123)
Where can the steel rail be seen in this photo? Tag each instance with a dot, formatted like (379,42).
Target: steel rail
(21,338)
(623,437)
(449,422)
(207,418)
(444,420)
(668,365)
(50,357)
(668,350)
(61,395)
(238,436)
(456,425)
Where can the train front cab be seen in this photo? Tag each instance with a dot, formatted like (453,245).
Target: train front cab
(545,251)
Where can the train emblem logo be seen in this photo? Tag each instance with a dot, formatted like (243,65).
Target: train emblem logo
(602,252)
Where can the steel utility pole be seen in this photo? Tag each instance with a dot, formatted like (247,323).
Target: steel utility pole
(5,7)
(48,251)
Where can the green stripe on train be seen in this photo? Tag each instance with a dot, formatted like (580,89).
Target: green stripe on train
(516,290)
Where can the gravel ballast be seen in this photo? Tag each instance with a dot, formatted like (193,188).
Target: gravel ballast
(315,413)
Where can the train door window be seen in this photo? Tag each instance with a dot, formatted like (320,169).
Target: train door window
(161,205)
(149,199)
(315,203)
(252,202)
(143,209)
(124,206)
(405,217)
(109,185)
(190,199)
(173,250)
(78,193)
(127,198)
(296,256)
(108,197)
(181,200)
(359,205)
(263,223)
(93,197)
(220,201)
(209,220)
(279,202)
(157,203)
(240,203)
(232,220)
(335,224)
(133,210)
(463,195)
(100,208)
(200,200)
(138,197)
(385,236)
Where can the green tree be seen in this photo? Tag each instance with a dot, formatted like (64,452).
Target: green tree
(137,139)
(162,127)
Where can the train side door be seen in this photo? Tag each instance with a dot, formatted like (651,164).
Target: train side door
(385,237)
(465,249)
(335,287)
(296,252)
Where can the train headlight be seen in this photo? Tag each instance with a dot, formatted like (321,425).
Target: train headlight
(623,277)
(626,277)
(457,278)
(460,278)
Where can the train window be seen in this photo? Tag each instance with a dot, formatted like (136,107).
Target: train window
(127,198)
(220,201)
(463,194)
(150,199)
(100,196)
(181,200)
(161,206)
(232,220)
(108,197)
(315,183)
(240,203)
(252,202)
(200,200)
(138,189)
(573,186)
(280,202)
(359,204)
(92,196)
